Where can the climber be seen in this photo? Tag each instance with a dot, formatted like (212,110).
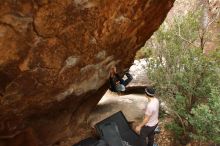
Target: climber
(117,84)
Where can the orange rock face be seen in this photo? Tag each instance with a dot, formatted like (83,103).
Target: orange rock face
(55,57)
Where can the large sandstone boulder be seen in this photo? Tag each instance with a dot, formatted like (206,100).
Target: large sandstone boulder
(55,57)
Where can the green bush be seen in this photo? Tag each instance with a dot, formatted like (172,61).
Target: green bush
(185,77)
(205,119)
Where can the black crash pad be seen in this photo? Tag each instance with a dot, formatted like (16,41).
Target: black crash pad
(91,142)
(109,132)
(87,142)
(125,132)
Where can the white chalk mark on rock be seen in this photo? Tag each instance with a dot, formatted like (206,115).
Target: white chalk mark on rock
(70,62)
(101,55)
(93,77)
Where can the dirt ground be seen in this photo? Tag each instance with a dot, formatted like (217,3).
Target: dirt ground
(131,105)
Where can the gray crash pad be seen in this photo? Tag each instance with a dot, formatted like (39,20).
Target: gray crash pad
(125,132)
(110,134)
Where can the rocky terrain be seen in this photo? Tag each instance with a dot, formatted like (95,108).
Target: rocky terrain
(55,57)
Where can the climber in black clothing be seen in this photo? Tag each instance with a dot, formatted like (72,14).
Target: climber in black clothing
(117,84)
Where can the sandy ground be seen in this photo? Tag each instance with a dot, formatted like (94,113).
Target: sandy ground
(131,105)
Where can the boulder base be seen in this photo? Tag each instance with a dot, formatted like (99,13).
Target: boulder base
(55,57)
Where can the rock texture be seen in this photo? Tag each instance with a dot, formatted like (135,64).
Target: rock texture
(139,73)
(212,14)
(55,57)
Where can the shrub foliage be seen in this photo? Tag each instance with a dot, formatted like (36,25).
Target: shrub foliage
(187,78)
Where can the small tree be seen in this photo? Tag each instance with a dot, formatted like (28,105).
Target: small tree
(185,76)
(205,119)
